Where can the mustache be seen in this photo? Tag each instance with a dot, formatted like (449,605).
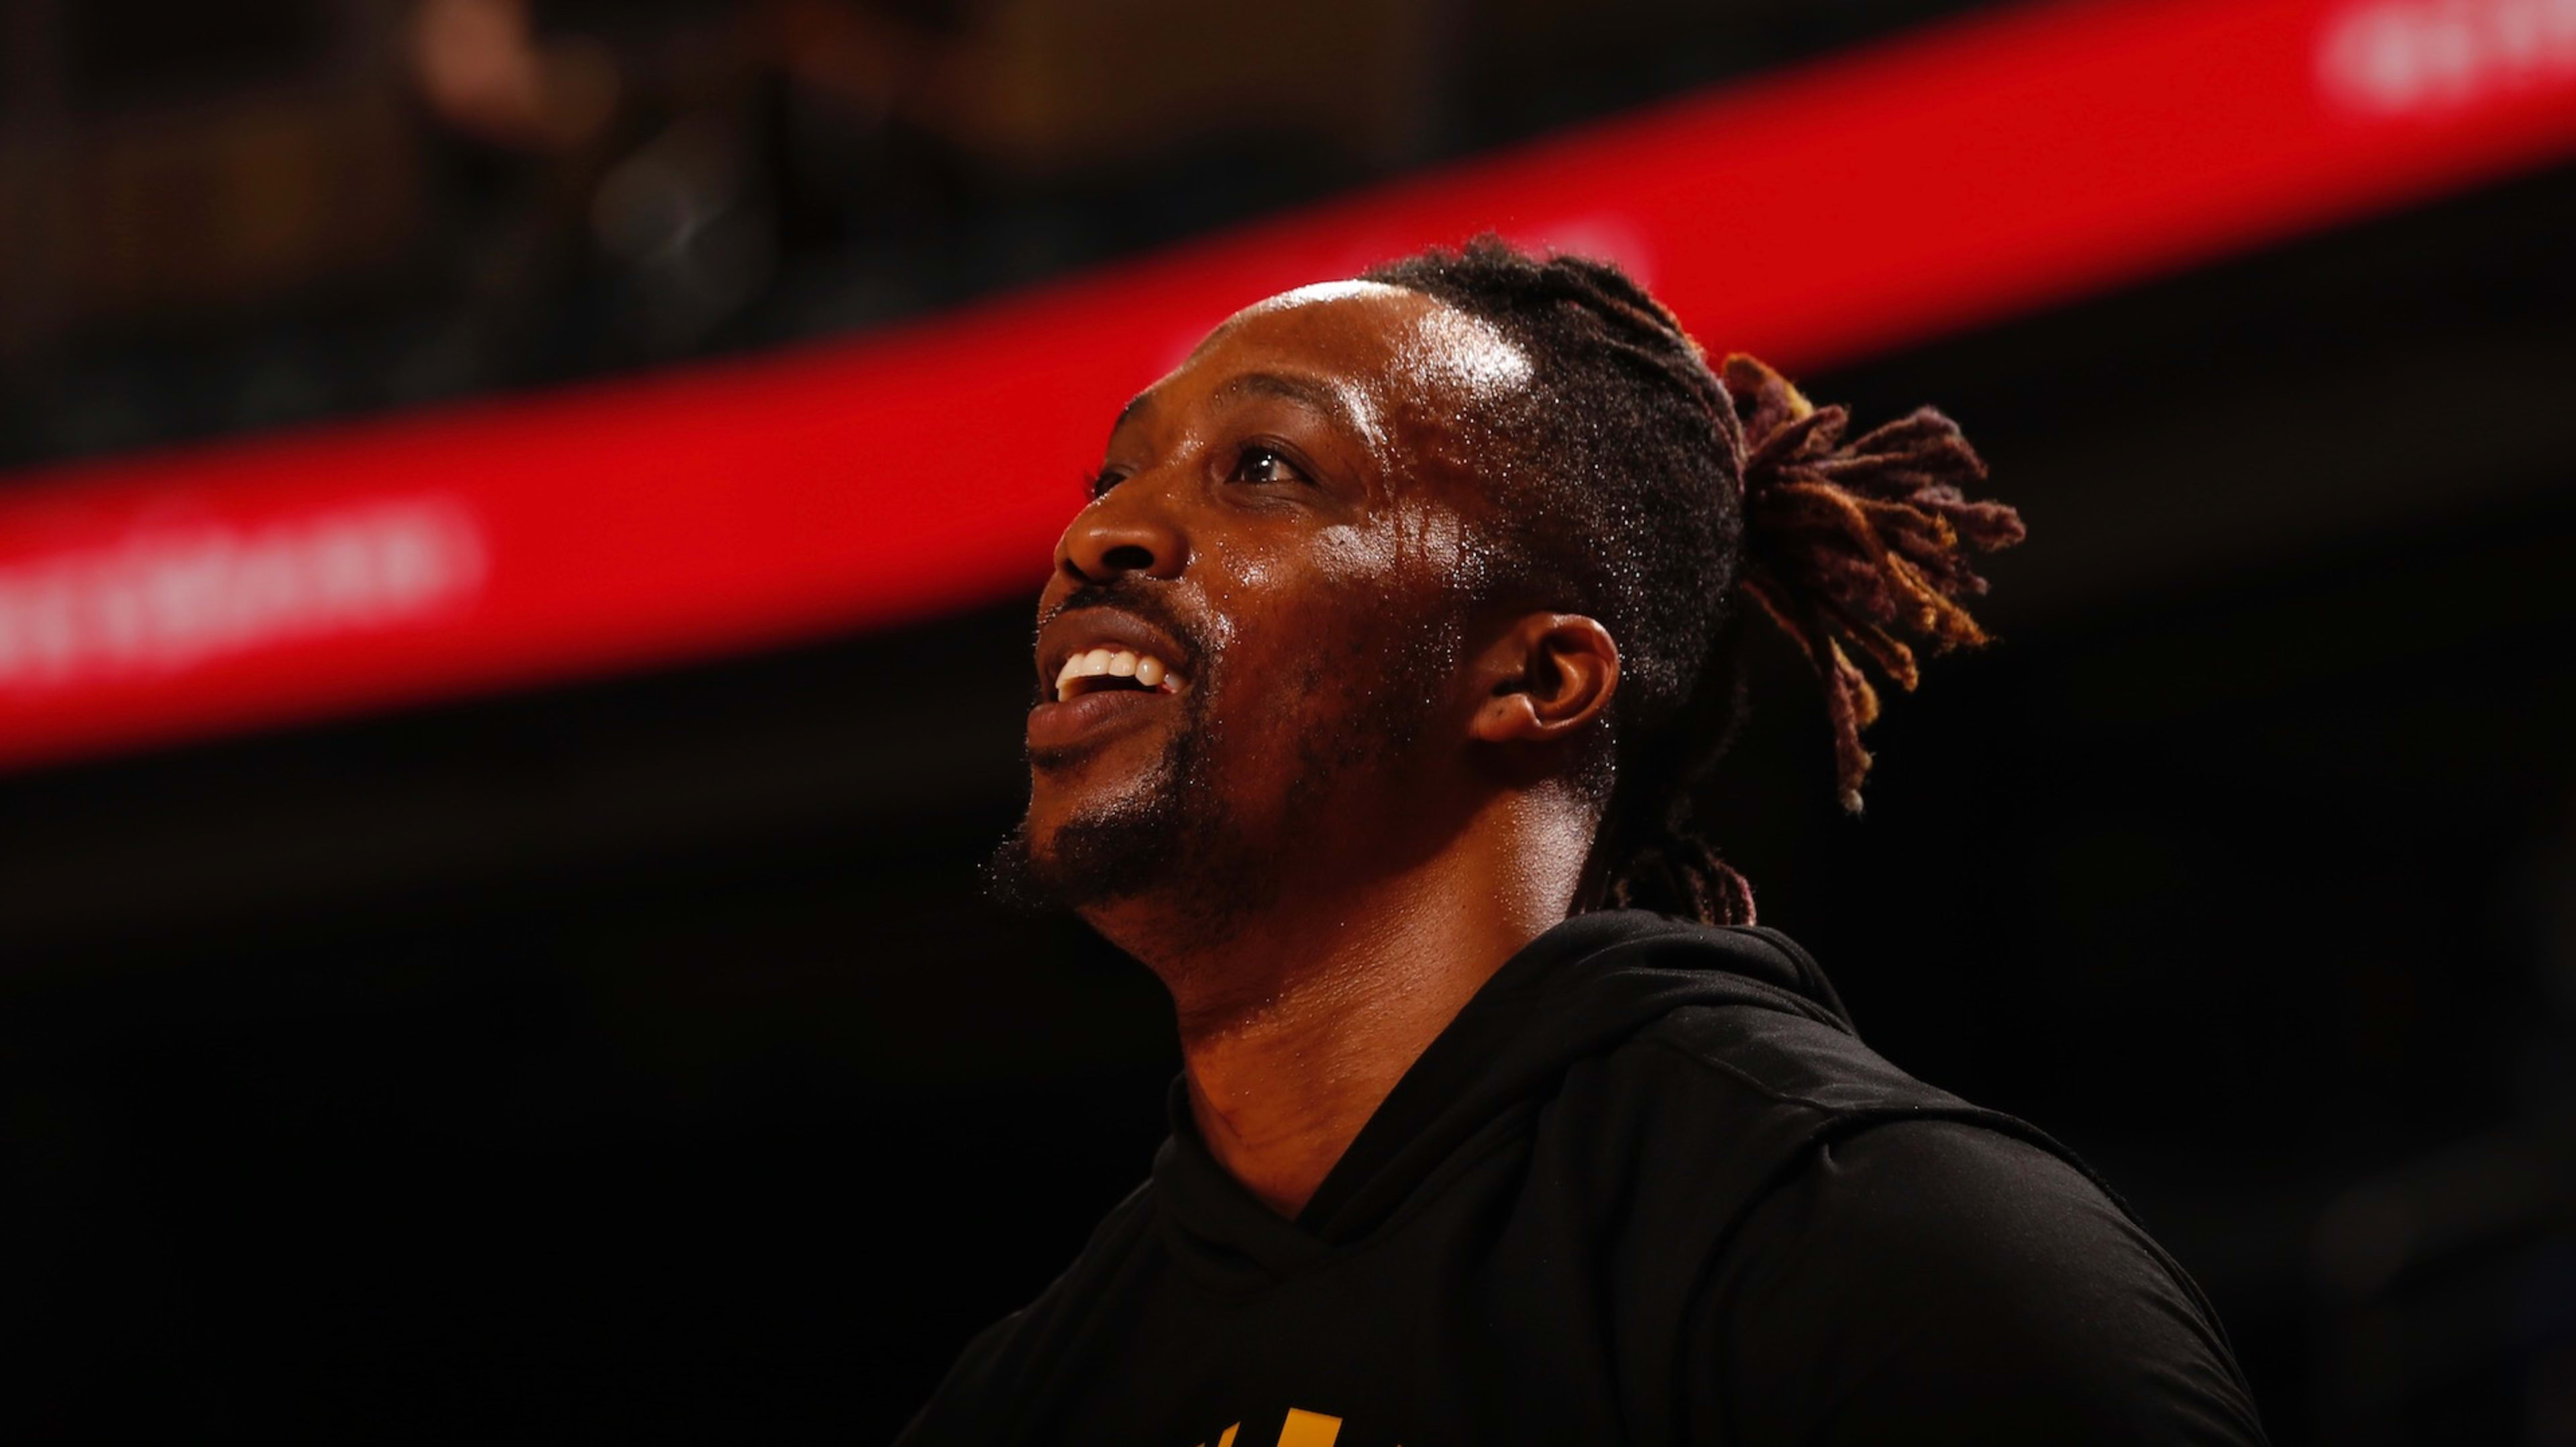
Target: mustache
(1136,602)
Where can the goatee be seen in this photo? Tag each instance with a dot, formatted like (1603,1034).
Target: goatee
(1108,853)
(1168,834)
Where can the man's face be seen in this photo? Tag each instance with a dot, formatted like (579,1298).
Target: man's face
(1248,652)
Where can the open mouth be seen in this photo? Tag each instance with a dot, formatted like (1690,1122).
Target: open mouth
(1113,670)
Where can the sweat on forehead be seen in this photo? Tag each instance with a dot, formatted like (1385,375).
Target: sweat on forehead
(1434,340)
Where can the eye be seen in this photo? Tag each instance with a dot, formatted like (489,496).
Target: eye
(1258,464)
(1098,485)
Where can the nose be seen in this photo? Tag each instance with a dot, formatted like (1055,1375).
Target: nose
(1128,530)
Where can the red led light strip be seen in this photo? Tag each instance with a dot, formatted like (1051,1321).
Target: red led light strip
(1878,198)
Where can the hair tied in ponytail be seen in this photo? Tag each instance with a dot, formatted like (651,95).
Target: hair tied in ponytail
(1859,547)
(1657,489)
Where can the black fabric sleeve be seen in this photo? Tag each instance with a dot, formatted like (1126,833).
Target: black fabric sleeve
(1932,1281)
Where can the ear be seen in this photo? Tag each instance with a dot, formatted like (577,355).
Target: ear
(1547,676)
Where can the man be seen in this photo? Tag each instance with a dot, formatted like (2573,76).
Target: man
(1374,678)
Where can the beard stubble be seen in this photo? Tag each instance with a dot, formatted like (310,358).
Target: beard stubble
(1173,834)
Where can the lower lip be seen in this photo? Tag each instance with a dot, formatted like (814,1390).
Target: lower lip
(1087,716)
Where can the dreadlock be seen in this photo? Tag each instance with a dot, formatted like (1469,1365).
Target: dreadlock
(1653,492)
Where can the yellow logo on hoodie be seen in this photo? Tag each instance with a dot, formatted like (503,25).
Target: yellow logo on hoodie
(1302,1429)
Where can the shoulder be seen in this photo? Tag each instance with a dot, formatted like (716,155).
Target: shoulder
(1943,1272)
(1705,1109)
(1897,1206)
(1882,1260)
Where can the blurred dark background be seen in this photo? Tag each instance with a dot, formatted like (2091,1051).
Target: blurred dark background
(638,1057)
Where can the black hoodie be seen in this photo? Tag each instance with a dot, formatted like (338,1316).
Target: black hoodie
(1648,1187)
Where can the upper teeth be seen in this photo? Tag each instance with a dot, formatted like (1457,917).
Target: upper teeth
(1145,668)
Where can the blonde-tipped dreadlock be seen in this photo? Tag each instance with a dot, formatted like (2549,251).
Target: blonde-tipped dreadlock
(1648,491)
(1862,543)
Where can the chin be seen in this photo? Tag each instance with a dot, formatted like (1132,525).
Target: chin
(1073,853)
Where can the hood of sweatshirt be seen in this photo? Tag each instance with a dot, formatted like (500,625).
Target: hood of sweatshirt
(1579,990)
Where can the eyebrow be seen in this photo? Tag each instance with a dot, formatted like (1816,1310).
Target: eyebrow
(1304,391)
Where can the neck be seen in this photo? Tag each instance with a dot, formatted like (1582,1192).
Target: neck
(1295,1029)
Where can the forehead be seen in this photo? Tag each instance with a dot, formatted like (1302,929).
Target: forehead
(1410,380)
(1371,335)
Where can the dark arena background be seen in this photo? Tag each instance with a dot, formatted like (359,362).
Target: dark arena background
(515,556)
